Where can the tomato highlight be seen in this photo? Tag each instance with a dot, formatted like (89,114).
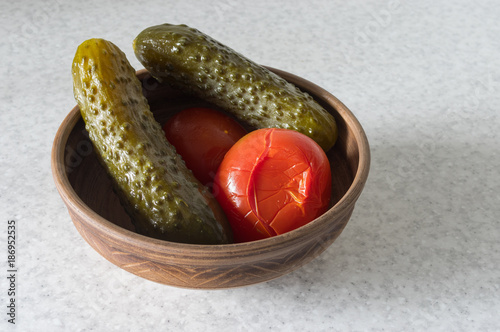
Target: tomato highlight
(272,181)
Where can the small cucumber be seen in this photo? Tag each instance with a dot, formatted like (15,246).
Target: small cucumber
(216,73)
(155,187)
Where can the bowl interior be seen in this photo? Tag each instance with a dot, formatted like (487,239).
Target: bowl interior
(91,183)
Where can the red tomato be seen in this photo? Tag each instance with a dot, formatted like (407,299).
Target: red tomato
(272,181)
(202,136)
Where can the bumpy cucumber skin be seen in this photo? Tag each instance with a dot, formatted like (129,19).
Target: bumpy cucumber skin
(160,194)
(214,72)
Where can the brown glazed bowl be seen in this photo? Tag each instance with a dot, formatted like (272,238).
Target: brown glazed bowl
(102,222)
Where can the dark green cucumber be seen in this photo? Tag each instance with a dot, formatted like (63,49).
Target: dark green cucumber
(160,194)
(216,73)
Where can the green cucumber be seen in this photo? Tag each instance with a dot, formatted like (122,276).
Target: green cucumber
(216,73)
(154,185)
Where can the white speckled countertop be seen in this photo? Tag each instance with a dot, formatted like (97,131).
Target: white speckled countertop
(422,250)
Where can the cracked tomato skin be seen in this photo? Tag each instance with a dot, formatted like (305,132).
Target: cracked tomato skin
(202,136)
(272,181)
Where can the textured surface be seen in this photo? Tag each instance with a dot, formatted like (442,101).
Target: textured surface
(421,251)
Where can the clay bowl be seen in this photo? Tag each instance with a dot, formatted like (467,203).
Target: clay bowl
(102,222)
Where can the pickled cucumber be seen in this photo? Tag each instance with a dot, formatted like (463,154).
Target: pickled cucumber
(160,194)
(216,73)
